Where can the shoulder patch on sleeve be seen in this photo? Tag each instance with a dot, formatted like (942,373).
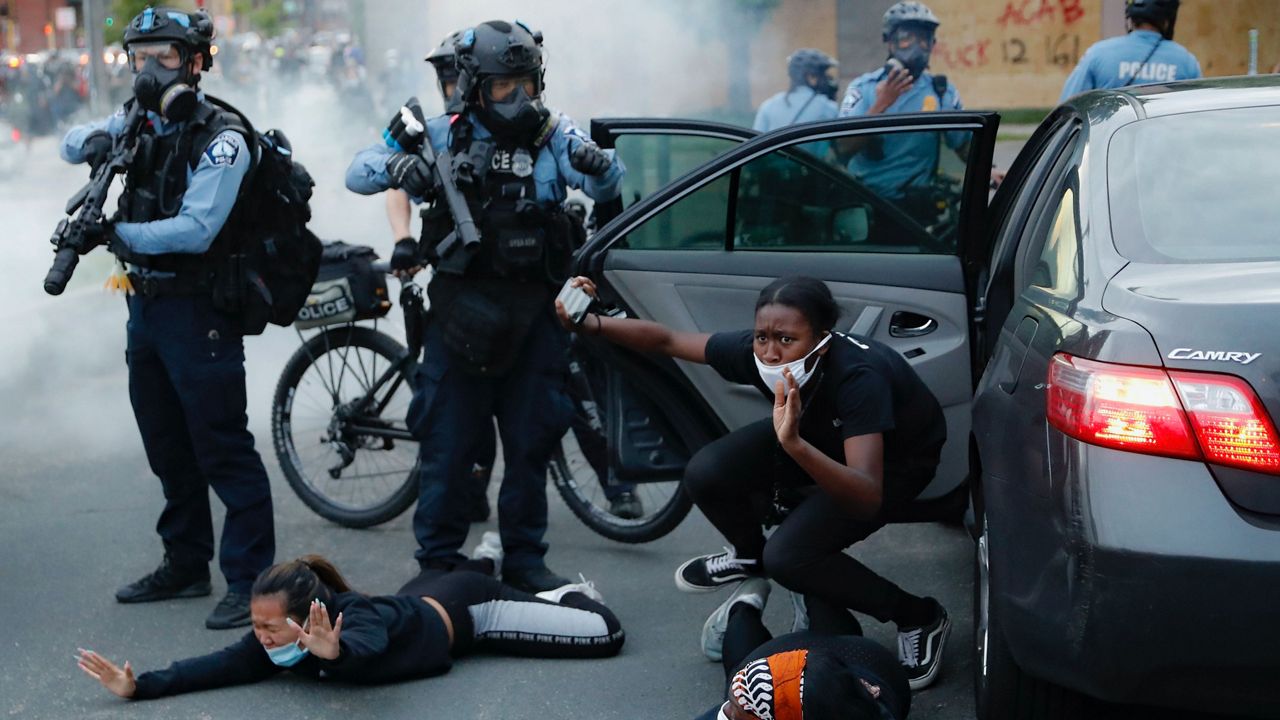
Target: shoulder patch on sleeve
(851,98)
(224,150)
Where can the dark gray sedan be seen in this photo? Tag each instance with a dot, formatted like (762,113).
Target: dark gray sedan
(1124,469)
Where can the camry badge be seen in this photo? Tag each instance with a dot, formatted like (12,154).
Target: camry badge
(1244,358)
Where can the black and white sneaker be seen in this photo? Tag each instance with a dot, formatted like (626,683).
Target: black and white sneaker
(920,649)
(712,572)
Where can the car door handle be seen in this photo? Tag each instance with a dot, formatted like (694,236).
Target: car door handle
(910,325)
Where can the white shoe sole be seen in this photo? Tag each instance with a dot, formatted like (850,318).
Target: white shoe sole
(927,679)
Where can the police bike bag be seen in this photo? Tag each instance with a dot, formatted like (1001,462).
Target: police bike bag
(347,288)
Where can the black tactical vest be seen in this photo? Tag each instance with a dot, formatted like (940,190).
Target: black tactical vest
(157,180)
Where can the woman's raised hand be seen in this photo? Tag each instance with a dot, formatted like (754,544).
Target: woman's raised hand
(118,680)
(786,410)
(322,639)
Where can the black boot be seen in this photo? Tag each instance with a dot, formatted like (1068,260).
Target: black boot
(231,612)
(533,580)
(173,579)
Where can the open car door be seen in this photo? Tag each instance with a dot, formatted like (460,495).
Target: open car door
(888,210)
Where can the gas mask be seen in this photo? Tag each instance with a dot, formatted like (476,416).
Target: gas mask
(516,116)
(165,91)
(911,48)
(826,86)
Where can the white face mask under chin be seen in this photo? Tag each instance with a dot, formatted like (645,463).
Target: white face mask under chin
(772,374)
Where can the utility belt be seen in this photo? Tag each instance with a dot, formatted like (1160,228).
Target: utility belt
(188,284)
(522,242)
(484,321)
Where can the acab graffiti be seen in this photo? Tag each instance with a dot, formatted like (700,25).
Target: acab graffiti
(1026,34)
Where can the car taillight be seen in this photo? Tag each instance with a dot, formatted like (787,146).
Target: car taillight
(1230,423)
(1217,418)
(16,135)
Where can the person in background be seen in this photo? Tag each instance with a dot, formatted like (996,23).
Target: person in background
(1147,54)
(810,98)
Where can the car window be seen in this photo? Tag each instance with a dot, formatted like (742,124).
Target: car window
(884,192)
(653,160)
(694,222)
(1056,267)
(1196,187)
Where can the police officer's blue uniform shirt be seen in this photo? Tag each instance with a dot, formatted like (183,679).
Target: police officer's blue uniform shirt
(799,105)
(211,192)
(1117,62)
(909,159)
(552,171)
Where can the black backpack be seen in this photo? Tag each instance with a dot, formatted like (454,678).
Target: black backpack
(271,259)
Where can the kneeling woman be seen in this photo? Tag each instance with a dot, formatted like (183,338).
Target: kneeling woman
(855,436)
(306,619)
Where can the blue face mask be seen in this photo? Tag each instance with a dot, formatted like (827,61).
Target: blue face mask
(287,655)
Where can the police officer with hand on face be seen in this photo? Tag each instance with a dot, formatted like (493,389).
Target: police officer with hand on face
(493,347)
(811,97)
(901,166)
(185,358)
(1147,54)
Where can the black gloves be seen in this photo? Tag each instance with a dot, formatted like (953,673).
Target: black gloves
(410,173)
(405,256)
(97,148)
(407,129)
(589,159)
(95,234)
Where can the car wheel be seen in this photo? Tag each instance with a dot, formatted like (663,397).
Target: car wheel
(1002,691)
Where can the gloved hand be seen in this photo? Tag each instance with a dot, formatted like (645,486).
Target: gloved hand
(589,159)
(410,173)
(407,129)
(405,256)
(97,148)
(95,234)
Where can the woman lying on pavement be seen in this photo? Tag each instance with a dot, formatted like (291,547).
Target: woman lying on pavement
(829,672)
(306,619)
(855,436)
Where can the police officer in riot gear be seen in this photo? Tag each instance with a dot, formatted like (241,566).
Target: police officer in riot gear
(185,358)
(810,98)
(1147,54)
(900,167)
(493,347)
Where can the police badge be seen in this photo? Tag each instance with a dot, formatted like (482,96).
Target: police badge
(521,163)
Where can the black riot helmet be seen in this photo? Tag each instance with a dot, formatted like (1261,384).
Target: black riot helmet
(808,61)
(1161,13)
(442,58)
(907,13)
(161,43)
(192,32)
(500,77)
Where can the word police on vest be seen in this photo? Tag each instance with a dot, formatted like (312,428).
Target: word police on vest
(1244,358)
(1151,72)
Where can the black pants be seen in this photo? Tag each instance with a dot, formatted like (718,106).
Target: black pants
(732,480)
(186,383)
(492,617)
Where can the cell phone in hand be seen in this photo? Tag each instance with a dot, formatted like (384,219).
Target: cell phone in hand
(576,301)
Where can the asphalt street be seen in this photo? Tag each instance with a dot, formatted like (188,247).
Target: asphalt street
(78,504)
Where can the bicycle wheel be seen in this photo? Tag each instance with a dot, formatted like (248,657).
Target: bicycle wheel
(665,503)
(345,450)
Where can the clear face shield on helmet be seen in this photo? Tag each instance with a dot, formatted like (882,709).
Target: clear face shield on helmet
(498,89)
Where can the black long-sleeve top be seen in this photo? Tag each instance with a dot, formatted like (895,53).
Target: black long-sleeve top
(384,639)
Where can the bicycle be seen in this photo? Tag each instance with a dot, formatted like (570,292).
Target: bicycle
(337,422)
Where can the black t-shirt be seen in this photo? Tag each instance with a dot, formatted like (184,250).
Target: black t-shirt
(860,386)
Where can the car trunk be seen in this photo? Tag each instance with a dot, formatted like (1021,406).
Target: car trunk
(1215,318)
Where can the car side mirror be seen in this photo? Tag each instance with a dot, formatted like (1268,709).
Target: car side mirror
(851,225)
